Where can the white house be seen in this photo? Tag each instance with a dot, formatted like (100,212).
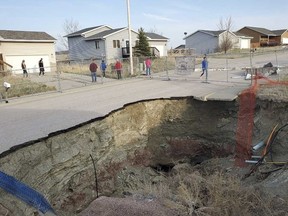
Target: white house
(206,41)
(30,46)
(104,42)
(158,42)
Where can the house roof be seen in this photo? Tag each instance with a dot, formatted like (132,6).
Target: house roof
(279,32)
(263,31)
(182,46)
(239,34)
(154,36)
(209,32)
(104,34)
(25,35)
(78,33)
(213,33)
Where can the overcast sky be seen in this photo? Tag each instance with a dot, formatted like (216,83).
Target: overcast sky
(170,18)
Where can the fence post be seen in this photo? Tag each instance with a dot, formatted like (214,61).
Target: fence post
(59,82)
(166,68)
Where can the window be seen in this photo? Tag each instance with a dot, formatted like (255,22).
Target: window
(97,46)
(116,43)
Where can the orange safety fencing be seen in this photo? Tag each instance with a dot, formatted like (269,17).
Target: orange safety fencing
(245,124)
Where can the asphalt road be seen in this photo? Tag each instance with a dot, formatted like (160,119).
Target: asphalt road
(29,118)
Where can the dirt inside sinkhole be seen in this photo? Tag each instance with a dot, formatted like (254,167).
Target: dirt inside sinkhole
(158,157)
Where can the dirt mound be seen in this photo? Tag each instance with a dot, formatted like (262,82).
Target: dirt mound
(126,207)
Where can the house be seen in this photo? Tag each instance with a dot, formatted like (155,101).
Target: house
(158,43)
(281,36)
(30,46)
(206,41)
(104,42)
(262,36)
(244,41)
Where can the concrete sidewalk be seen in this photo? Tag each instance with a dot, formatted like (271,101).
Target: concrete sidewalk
(34,117)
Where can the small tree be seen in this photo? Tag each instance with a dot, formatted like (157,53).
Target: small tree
(69,27)
(226,42)
(142,47)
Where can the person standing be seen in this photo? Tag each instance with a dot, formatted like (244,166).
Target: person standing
(103,68)
(23,66)
(148,66)
(93,69)
(118,68)
(204,66)
(41,67)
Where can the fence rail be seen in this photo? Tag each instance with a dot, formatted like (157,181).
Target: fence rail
(71,74)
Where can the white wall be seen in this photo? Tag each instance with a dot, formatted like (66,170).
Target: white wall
(160,45)
(122,36)
(31,62)
(13,53)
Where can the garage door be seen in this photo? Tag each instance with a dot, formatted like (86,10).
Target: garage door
(284,40)
(245,44)
(31,63)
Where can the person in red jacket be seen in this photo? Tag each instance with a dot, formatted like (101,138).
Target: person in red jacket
(118,68)
(93,69)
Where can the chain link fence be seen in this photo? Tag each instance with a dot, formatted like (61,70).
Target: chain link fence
(75,74)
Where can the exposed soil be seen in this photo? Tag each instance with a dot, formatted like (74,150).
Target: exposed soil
(159,157)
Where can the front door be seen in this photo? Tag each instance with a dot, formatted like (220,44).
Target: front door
(127,47)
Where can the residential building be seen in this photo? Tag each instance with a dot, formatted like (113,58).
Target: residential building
(103,42)
(265,37)
(207,41)
(30,46)
(281,36)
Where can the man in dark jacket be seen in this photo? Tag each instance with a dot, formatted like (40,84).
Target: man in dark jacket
(93,69)
(41,67)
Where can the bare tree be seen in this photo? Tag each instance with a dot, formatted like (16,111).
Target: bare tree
(69,26)
(155,30)
(226,42)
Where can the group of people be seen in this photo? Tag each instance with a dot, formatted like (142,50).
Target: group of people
(93,69)
(40,64)
(118,68)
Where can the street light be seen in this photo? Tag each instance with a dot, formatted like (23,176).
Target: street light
(130,37)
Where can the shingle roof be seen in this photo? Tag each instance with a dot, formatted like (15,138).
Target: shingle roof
(239,34)
(261,30)
(279,32)
(24,35)
(182,46)
(78,33)
(154,36)
(103,34)
(214,33)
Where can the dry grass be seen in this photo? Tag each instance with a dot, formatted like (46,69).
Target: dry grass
(158,65)
(22,86)
(217,194)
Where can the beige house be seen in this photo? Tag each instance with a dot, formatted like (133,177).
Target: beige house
(30,46)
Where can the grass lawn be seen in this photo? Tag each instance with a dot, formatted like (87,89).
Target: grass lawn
(22,86)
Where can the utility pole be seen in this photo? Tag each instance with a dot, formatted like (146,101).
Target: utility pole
(130,37)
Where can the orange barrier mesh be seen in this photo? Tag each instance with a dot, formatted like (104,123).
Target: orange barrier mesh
(245,124)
